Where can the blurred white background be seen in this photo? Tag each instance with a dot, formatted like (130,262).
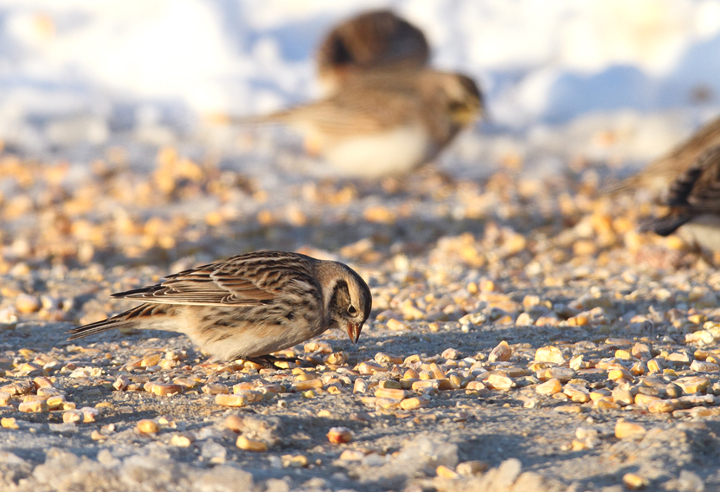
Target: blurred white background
(611,79)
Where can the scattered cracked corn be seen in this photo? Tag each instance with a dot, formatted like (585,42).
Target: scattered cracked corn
(337,358)
(389,383)
(5,398)
(654,365)
(352,455)
(383,358)
(73,417)
(339,435)
(90,414)
(623,396)
(701,366)
(500,382)
(295,461)
(660,406)
(164,389)
(238,399)
(502,352)
(95,435)
(693,384)
(624,429)
(549,353)
(309,384)
(395,325)
(414,402)
(33,406)
(146,426)
(564,374)
(27,304)
(390,393)
(577,393)
(619,373)
(549,387)
(215,389)
(645,400)
(180,441)
(445,472)
(150,360)
(634,482)
(250,444)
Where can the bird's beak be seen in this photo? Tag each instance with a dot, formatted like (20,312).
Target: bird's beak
(353,331)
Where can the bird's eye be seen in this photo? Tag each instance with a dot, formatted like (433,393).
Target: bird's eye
(352,311)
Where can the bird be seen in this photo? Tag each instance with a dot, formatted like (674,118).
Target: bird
(659,174)
(248,306)
(386,122)
(694,203)
(368,41)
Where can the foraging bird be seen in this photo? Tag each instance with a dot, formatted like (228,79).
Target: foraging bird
(694,201)
(249,305)
(377,39)
(387,121)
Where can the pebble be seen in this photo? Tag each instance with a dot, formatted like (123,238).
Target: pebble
(146,426)
(502,352)
(27,304)
(239,399)
(339,435)
(251,445)
(549,387)
(180,441)
(635,482)
(625,429)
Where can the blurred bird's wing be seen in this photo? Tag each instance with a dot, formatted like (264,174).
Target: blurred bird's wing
(668,167)
(351,113)
(698,187)
(695,191)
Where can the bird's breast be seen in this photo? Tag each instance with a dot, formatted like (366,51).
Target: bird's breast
(392,151)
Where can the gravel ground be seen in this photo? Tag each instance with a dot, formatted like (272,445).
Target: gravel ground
(523,336)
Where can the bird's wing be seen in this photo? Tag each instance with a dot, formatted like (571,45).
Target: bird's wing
(698,187)
(672,164)
(374,103)
(243,280)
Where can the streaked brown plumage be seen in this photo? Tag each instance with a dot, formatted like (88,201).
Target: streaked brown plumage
(249,305)
(372,40)
(694,196)
(662,172)
(387,121)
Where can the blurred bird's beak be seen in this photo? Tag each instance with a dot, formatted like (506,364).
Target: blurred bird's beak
(354,332)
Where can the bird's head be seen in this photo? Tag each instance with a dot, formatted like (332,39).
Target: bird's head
(348,299)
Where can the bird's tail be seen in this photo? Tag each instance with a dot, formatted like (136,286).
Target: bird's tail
(232,120)
(153,316)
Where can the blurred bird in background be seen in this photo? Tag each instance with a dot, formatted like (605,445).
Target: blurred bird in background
(377,39)
(388,121)
(386,112)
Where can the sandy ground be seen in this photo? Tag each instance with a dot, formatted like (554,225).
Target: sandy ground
(524,336)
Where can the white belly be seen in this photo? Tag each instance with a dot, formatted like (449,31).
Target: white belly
(370,156)
(246,338)
(704,231)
